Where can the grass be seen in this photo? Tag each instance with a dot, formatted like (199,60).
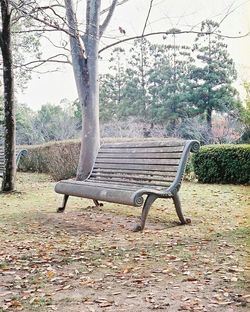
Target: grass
(87,258)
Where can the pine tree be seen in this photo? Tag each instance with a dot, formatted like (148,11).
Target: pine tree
(169,85)
(214,75)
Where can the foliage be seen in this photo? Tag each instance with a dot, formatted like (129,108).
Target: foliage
(245,115)
(169,84)
(213,77)
(26,131)
(223,164)
(50,123)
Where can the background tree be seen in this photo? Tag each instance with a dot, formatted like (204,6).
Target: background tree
(214,75)
(55,123)
(25,128)
(112,86)
(15,43)
(136,100)
(170,85)
(245,114)
(8,183)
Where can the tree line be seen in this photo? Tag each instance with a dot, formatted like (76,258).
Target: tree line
(178,87)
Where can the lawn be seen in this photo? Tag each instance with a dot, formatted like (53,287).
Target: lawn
(87,259)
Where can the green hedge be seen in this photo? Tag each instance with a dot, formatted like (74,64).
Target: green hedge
(226,163)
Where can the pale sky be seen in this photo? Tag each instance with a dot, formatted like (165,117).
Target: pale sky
(165,14)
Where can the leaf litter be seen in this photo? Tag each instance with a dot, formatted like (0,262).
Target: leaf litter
(88,260)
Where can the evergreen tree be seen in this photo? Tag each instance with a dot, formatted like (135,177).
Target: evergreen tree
(170,84)
(136,100)
(214,75)
(112,86)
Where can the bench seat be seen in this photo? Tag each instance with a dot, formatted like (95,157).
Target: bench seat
(134,174)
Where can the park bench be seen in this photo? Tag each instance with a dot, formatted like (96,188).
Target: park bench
(19,153)
(135,174)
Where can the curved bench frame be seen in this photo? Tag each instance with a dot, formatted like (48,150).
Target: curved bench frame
(77,188)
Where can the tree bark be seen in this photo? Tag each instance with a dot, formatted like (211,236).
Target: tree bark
(8,183)
(84,51)
(85,67)
(209,122)
(90,141)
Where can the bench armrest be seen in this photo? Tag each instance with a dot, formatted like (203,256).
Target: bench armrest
(191,146)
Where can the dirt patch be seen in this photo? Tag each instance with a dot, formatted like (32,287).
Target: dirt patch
(87,259)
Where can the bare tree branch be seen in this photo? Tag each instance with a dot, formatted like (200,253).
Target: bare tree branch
(87,22)
(51,59)
(108,18)
(146,21)
(118,3)
(171,32)
(45,21)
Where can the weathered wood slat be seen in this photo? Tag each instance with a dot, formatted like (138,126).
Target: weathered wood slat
(144,150)
(112,186)
(146,144)
(130,183)
(163,155)
(172,168)
(137,161)
(122,186)
(148,178)
(135,172)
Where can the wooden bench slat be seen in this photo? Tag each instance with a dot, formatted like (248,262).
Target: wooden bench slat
(163,155)
(122,186)
(129,182)
(132,177)
(145,144)
(144,150)
(137,161)
(134,172)
(162,168)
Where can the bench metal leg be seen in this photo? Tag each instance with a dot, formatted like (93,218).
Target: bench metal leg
(148,203)
(177,203)
(65,199)
(97,203)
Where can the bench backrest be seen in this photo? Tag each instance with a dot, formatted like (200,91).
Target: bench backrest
(153,164)
(19,153)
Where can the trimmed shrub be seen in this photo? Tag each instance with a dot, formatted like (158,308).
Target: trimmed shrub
(226,163)
(59,159)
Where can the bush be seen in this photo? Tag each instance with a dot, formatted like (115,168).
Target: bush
(223,164)
(59,159)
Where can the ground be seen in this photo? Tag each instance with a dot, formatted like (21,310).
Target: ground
(87,259)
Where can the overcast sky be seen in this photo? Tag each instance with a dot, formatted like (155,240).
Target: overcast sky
(165,14)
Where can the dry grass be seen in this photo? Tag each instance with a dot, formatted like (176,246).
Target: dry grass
(87,259)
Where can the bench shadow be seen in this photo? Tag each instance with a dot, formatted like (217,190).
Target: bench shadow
(96,221)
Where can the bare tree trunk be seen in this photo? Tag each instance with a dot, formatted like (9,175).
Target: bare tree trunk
(209,123)
(84,51)
(85,61)
(8,183)
(90,142)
